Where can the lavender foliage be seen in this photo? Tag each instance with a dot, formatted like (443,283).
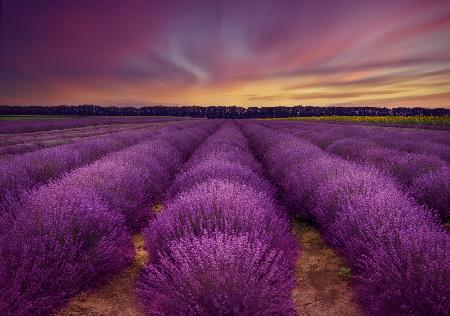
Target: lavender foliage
(396,248)
(221,245)
(218,274)
(71,234)
(406,155)
(221,206)
(27,126)
(58,241)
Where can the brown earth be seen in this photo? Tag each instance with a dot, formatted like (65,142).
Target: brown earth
(114,298)
(323,283)
(323,278)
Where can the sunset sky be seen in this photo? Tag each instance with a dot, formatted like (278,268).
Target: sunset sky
(230,52)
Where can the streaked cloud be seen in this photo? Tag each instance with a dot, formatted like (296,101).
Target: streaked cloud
(229,52)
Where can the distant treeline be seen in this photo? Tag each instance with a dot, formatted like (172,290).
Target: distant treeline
(219,111)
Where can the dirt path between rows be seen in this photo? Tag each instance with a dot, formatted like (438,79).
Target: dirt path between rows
(114,298)
(323,286)
(323,281)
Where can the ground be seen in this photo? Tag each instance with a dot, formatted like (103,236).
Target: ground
(323,278)
(388,119)
(323,283)
(116,297)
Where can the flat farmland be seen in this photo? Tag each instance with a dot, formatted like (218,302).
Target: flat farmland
(398,120)
(163,216)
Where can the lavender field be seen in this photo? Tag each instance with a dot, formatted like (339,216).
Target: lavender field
(162,216)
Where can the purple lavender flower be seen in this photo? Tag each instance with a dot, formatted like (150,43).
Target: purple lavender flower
(397,249)
(60,240)
(217,169)
(218,274)
(433,189)
(221,206)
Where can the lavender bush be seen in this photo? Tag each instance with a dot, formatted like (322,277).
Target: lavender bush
(221,246)
(21,143)
(218,274)
(221,206)
(43,165)
(218,169)
(371,222)
(433,189)
(409,274)
(133,179)
(406,155)
(64,237)
(58,241)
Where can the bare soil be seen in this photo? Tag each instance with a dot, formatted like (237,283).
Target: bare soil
(114,298)
(323,283)
(323,278)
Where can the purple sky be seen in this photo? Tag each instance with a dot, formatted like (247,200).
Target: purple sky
(246,52)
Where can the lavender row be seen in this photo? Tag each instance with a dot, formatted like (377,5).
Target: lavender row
(23,143)
(25,171)
(413,144)
(424,175)
(19,138)
(419,127)
(397,250)
(73,233)
(26,126)
(413,141)
(221,246)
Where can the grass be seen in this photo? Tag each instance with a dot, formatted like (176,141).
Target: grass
(157,208)
(408,120)
(344,272)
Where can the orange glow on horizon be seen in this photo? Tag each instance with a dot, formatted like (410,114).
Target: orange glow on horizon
(248,53)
